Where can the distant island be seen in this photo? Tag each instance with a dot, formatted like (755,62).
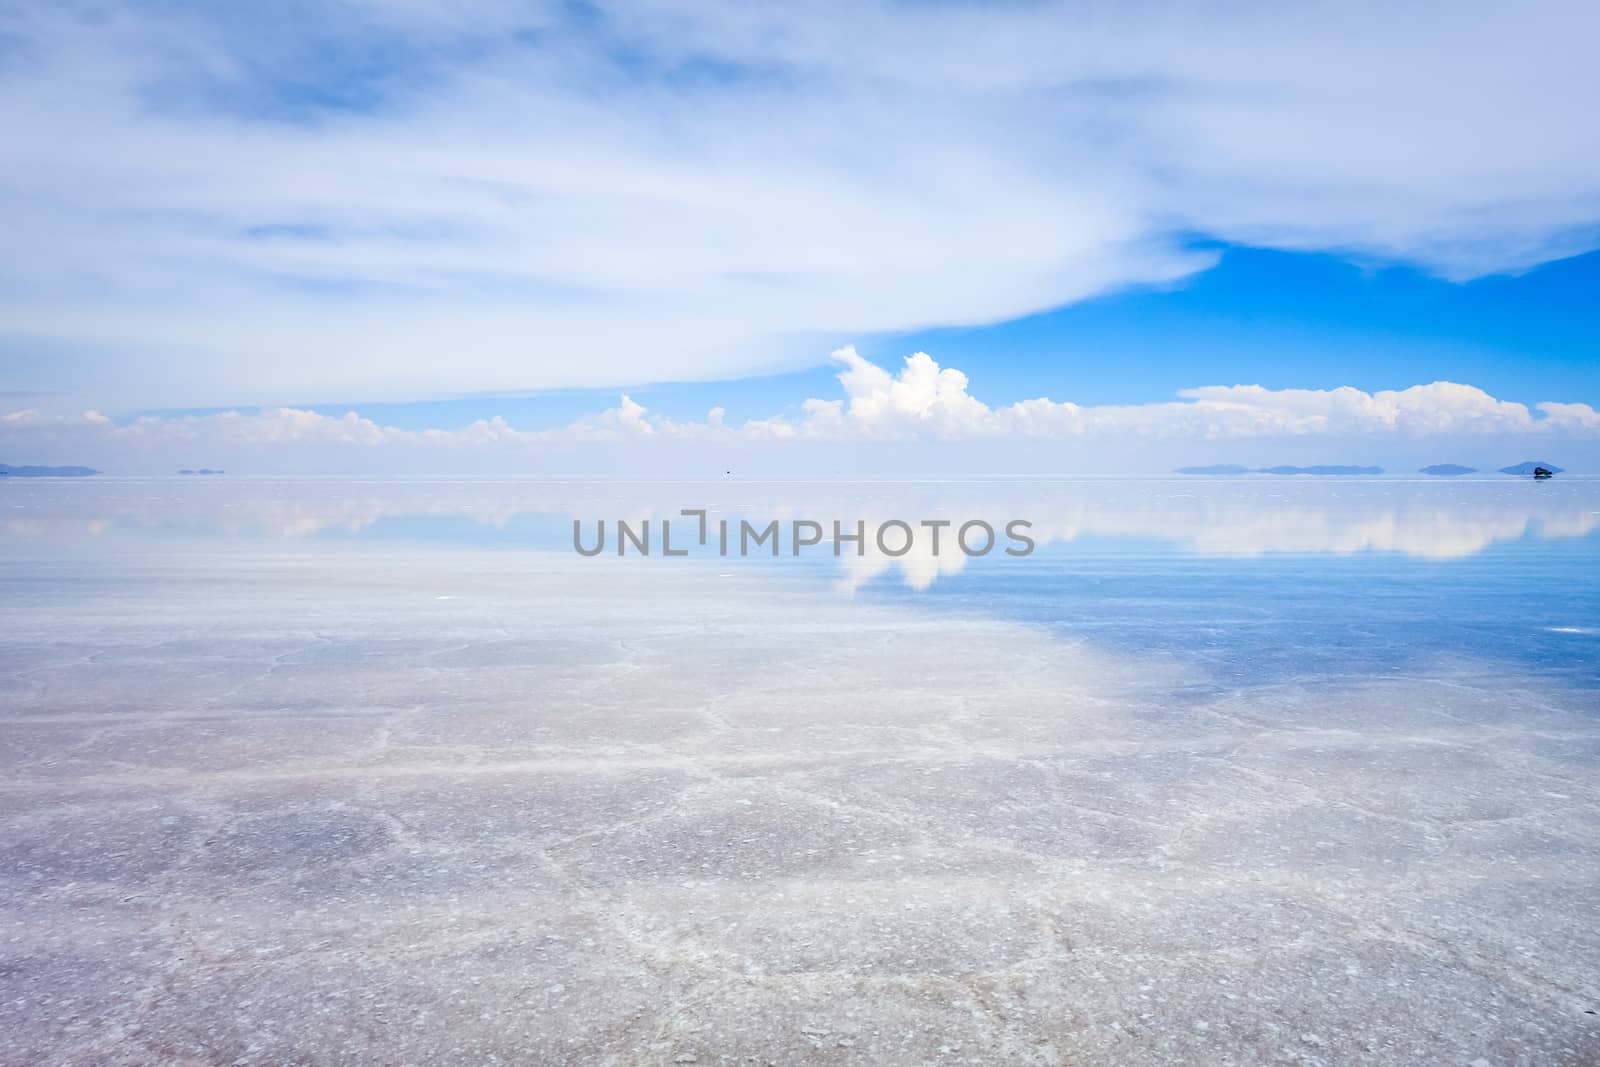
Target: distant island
(1447,470)
(1528,467)
(1231,468)
(1334,469)
(202,470)
(8,471)
(1216,468)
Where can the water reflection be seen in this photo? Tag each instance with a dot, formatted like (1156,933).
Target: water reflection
(1221,519)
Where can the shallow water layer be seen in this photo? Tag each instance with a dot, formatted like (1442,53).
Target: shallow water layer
(1223,772)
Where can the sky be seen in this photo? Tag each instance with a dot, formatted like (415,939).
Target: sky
(667,238)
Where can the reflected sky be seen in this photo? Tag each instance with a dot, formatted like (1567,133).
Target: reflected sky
(1252,578)
(1242,517)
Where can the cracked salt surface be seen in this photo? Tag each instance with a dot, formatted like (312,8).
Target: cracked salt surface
(272,802)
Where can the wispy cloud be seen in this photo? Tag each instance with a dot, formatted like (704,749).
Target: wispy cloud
(224,204)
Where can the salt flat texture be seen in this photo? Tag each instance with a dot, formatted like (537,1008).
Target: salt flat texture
(336,803)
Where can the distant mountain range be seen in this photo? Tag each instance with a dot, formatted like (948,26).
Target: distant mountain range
(8,471)
(1442,470)
(1439,470)
(1231,468)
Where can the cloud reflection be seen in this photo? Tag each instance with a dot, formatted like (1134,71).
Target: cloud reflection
(1228,519)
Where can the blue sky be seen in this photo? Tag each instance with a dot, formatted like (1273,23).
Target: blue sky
(432,213)
(1277,319)
(1296,320)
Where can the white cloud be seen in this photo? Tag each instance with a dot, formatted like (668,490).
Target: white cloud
(927,400)
(905,417)
(506,198)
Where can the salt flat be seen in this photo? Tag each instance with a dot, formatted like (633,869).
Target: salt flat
(275,801)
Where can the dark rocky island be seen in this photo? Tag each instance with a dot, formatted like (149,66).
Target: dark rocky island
(1531,466)
(1447,470)
(8,471)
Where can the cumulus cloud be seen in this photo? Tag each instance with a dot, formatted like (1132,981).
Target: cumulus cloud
(262,204)
(924,399)
(921,406)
